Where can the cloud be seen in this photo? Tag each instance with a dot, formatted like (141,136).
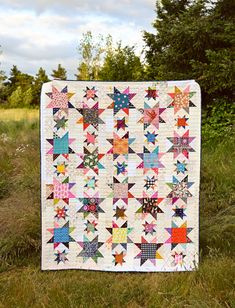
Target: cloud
(45,33)
(127,9)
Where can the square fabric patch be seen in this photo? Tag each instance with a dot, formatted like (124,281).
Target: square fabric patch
(120,165)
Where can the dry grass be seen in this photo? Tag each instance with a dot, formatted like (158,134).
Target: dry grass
(19,114)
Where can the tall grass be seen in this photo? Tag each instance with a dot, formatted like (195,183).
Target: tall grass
(22,283)
(19,189)
(19,114)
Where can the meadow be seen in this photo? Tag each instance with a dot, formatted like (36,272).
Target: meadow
(22,284)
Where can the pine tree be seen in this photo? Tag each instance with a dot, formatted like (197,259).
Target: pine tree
(41,77)
(59,73)
(13,80)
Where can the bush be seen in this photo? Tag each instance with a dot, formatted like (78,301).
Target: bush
(218,121)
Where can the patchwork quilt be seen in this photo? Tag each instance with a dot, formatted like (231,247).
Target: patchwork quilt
(120,165)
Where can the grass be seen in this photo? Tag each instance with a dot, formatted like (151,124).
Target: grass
(16,114)
(22,284)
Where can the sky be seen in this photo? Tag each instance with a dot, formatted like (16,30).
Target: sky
(44,33)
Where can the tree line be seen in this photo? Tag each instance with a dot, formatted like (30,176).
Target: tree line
(192,40)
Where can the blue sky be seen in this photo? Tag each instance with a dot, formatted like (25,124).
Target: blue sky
(36,33)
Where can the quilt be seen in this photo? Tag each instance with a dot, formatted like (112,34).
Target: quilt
(120,166)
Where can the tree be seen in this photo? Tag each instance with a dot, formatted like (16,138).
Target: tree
(41,77)
(2,85)
(17,78)
(2,74)
(17,87)
(121,63)
(59,73)
(20,98)
(2,78)
(13,80)
(91,57)
(194,39)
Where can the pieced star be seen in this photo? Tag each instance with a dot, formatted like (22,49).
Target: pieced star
(151,93)
(91,182)
(60,191)
(181,144)
(150,206)
(60,123)
(180,167)
(148,251)
(181,99)
(180,189)
(151,137)
(61,212)
(60,145)
(90,138)
(119,235)
(91,205)
(90,226)
(179,212)
(182,122)
(120,124)
(149,228)
(178,258)
(121,100)
(120,213)
(90,249)
(178,235)
(119,258)
(60,99)
(90,93)
(150,182)
(61,235)
(153,115)
(61,256)
(152,160)
(61,168)
(121,168)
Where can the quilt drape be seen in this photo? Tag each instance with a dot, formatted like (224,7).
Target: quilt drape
(120,165)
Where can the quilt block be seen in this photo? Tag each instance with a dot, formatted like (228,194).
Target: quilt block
(120,166)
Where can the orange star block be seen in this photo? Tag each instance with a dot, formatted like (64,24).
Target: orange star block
(182,122)
(119,258)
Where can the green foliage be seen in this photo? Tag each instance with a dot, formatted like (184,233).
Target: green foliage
(18,90)
(17,78)
(21,98)
(90,51)
(218,121)
(40,78)
(122,64)
(59,73)
(22,90)
(101,60)
(217,74)
(194,39)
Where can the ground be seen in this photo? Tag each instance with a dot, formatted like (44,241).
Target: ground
(22,284)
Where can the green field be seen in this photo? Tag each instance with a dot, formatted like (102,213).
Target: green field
(22,284)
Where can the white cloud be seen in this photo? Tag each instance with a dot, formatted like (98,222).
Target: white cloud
(35,33)
(121,8)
